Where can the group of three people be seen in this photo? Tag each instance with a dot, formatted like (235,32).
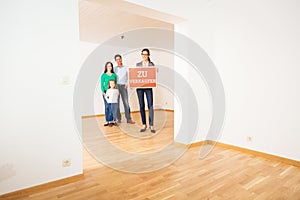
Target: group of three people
(114,83)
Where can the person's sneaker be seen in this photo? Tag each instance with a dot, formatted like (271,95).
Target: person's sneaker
(106,124)
(115,124)
(111,124)
(130,122)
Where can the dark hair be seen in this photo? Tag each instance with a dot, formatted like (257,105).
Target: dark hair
(118,55)
(148,51)
(112,69)
(110,81)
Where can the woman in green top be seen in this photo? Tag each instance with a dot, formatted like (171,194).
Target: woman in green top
(105,78)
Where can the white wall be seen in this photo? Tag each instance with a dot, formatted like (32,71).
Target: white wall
(256,47)
(39,48)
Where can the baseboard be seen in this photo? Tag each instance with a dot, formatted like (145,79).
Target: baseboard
(248,151)
(23,193)
(135,111)
(92,116)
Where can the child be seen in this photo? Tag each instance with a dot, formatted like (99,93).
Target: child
(111,96)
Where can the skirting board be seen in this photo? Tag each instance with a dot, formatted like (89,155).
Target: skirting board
(39,188)
(248,151)
(100,115)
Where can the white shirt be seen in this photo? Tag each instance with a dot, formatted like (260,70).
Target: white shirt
(145,64)
(112,95)
(122,75)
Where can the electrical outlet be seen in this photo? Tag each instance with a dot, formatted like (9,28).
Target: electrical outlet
(65,80)
(66,162)
(249,139)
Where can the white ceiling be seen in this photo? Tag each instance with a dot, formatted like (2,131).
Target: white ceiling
(100,20)
(185,9)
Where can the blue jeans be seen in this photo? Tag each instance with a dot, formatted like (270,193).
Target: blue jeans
(108,116)
(124,96)
(141,97)
(112,107)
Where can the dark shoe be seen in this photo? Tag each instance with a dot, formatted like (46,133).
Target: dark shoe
(143,129)
(130,122)
(106,124)
(115,124)
(111,124)
(152,130)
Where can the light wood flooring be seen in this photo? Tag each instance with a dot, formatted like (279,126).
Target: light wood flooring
(223,174)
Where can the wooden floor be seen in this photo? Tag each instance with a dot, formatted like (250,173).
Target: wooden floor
(223,174)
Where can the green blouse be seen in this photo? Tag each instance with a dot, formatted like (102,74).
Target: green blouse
(105,79)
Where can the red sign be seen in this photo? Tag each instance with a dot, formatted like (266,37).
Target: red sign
(142,77)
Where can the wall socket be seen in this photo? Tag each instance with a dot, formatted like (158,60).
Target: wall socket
(65,80)
(249,139)
(66,162)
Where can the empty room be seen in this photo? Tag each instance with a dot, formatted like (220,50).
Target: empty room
(140,99)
